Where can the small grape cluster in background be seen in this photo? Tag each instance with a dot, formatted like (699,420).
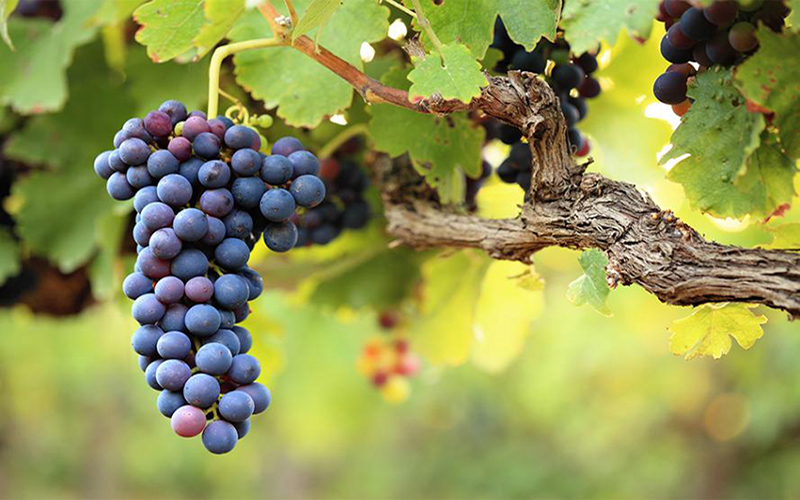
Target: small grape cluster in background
(387,360)
(203,195)
(571,78)
(722,34)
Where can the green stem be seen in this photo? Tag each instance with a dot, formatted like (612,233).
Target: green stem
(345,135)
(401,7)
(216,64)
(426,27)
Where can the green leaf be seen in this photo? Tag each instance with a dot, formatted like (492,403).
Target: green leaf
(316,16)
(456,76)
(785,236)
(443,330)
(9,255)
(32,78)
(6,8)
(592,287)
(794,15)
(767,80)
(304,91)
(587,22)
(187,82)
(719,134)
(471,22)
(115,12)
(168,27)
(708,330)
(221,16)
(503,315)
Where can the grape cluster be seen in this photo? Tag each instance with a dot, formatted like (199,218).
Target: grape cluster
(344,206)
(203,196)
(570,77)
(722,34)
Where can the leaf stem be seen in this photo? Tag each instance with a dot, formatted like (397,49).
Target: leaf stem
(401,7)
(216,64)
(426,27)
(292,12)
(271,14)
(338,140)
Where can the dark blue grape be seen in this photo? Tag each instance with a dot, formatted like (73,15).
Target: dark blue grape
(670,88)
(247,191)
(150,374)
(304,163)
(231,291)
(144,361)
(324,234)
(240,137)
(255,284)
(570,112)
(141,234)
(119,188)
(101,166)
(176,110)
(286,146)
(134,151)
(674,54)
(225,121)
(241,313)
(144,197)
(165,244)
(162,163)
(214,174)
(220,437)
(242,428)
(232,254)
(277,205)
(568,76)
(308,191)
(228,319)
(145,339)
(189,170)
(236,406)
(216,232)
(174,345)
(719,49)
(238,224)
(169,401)
(227,338)
(116,163)
(206,145)
(201,390)
(174,190)
(533,61)
(151,266)
(136,285)
(245,369)
(695,25)
(147,310)
(157,215)
(203,320)
(260,395)
(190,224)
(280,236)
(199,289)
(169,290)
(173,319)
(172,374)
(214,359)
(245,339)
(246,162)
(189,263)
(217,202)
(276,170)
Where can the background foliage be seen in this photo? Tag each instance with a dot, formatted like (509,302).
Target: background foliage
(526,390)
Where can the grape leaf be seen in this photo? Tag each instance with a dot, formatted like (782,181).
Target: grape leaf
(6,8)
(113,12)
(9,255)
(32,78)
(221,15)
(457,75)
(719,134)
(587,22)
(794,15)
(168,27)
(443,331)
(767,80)
(785,236)
(303,90)
(527,22)
(503,316)
(592,287)
(316,15)
(708,330)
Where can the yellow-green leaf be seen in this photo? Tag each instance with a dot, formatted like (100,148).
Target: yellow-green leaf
(457,75)
(316,16)
(221,15)
(168,27)
(592,287)
(785,236)
(6,8)
(708,330)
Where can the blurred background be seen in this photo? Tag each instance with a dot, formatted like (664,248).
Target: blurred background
(520,394)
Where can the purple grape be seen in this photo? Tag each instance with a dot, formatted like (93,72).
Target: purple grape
(303,163)
(213,358)
(174,190)
(189,264)
(231,291)
(214,174)
(169,290)
(277,204)
(246,162)
(181,148)
(216,232)
(157,215)
(158,124)
(245,369)
(220,437)
(194,126)
(286,146)
(145,339)
(188,421)
(101,166)
(206,145)
(165,244)
(136,285)
(260,395)
(134,151)
(199,289)
(147,309)
(175,110)
(119,188)
(174,345)
(217,202)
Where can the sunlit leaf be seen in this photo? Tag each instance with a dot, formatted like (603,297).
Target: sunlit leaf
(708,330)
(457,75)
(168,27)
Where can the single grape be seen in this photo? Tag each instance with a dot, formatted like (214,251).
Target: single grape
(571,114)
(670,88)
(165,244)
(199,289)
(255,284)
(174,190)
(101,166)
(678,38)
(198,113)
(189,263)
(673,54)
(590,88)
(529,61)
(168,402)
(695,25)
(213,358)
(136,285)
(141,234)
(220,437)
(742,37)
(189,170)
(217,202)
(206,146)
(260,395)
(276,170)
(244,369)
(286,146)
(144,361)
(145,339)
(194,126)
(175,110)
(241,313)
(240,137)
(144,197)
(218,128)
(134,151)
(277,205)
(188,421)
(232,254)
(700,56)
(180,148)
(216,232)
(246,162)
(236,406)
(162,163)
(119,188)
(214,174)
(720,51)
(150,374)
(568,76)
(174,345)
(308,191)
(202,320)
(587,62)
(721,12)
(227,338)
(201,390)
(247,191)
(169,290)
(242,428)
(280,236)
(134,128)
(173,319)
(190,224)
(228,319)
(116,163)
(119,138)
(231,291)
(245,338)
(157,215)
(172,374)
(147,310)
(238,224)
(158,124)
